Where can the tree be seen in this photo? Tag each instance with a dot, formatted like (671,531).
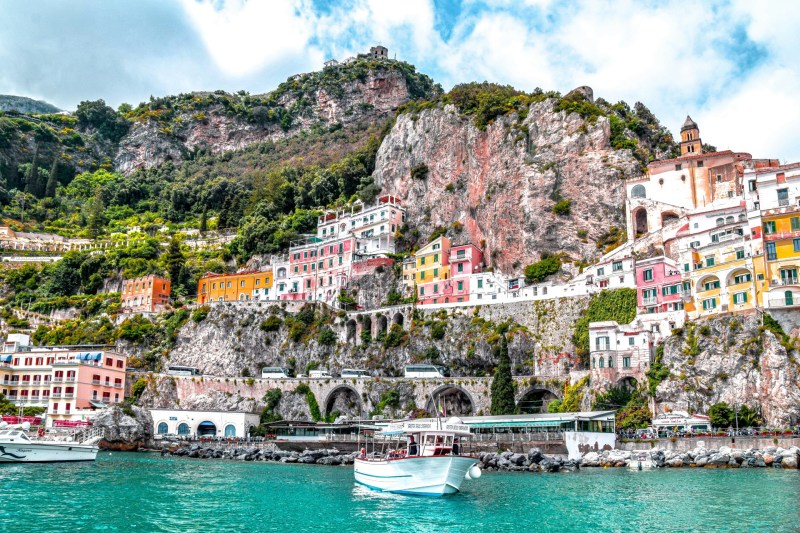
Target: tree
(538,272)
(502,384)
(748,417)
(175,262)
(99,116)
(97,215)
(720,414)
(204,221)
(52,180)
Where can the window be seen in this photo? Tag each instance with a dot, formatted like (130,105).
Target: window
(241,283)
(795,221)
(740,253)
(422,275)
(460,285)
(678,166)
(638,191)
(789,276)
(711,284)
(788,298)
(711,303)
(710,261)
(162,428)
(422,291)
(602,363)
(742,278)
(435,258)
(230,285)
(720,221)
(631,341)
(435,288)
(480,283)
(783,196)
(610,362)
(751,185)
(649,295)
(719,178)
(647,275)
(435,272)
(602,343)
(740,298)
(601,271)
(183,428)
(626,362)
(258,282)
(686,267)
(769,227)
(772,254)
(616,266)
(669,289)
(460,267)
(422,260)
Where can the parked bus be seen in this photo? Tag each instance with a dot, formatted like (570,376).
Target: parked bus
(425,371)
(182,371)
(274,372)
(355,373)
(319,374)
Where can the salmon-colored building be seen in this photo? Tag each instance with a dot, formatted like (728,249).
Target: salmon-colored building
(148,294)
(241,286)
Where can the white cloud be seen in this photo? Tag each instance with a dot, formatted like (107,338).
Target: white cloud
(244,37)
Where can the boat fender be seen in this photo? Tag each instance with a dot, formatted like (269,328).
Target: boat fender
(474,472)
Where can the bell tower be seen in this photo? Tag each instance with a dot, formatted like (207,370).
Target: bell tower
(690,138)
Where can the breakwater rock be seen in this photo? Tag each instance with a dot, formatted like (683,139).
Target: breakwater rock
(533,461)
(701,457)
(331,457)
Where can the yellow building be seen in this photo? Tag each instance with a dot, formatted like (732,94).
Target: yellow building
(242,286)
(782,258)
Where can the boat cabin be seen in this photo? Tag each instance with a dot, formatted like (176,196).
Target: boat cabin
(13,435)
(421,438)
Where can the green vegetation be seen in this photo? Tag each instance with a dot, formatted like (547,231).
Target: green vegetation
(271,400)
(618,305)
(720,414)
(313,406)
(630,405)
(327,337)
(272,323)
(573,396)
(138,388)
(502,389)
(562,207)
(723,415)
(420,171)
(539,271)
(390,398)
(658,371)
(201,313)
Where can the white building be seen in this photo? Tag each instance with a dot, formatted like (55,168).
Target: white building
(619,352)
(202,423)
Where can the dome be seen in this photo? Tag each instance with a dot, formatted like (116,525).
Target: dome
(689,124)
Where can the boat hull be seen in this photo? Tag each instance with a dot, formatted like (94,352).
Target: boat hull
(30,452)
(428,476)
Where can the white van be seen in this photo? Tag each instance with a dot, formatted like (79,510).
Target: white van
(274,372)
(319,374)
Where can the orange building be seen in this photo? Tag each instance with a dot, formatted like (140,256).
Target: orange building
(148,294)
(242,286)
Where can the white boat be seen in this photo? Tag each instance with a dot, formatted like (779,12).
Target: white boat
(17,447)
(640,461)
(681,421)
(425,457)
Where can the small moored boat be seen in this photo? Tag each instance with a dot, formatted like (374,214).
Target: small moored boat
(424,456)
(17,447)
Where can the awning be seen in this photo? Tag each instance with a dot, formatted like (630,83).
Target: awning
(97,404)
(518,423)
(5,358)
(97,356)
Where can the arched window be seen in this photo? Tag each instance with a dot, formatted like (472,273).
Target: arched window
(720,221)
(610,362)
(230,430)
(638,191)
(602,364)
(742,217)
(729,220)
(162,428)
(183,429)
(594,362)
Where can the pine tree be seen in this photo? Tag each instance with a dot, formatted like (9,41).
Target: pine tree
(223,219)
(97,215)
(204,221)
(503,385)
(32,176)
(175,262)
(52,181)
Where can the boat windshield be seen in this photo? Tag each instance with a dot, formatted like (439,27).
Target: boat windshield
(13,434)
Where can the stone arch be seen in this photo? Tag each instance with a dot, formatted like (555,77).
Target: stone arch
(638,191)
(640,221)
(730,280)
(206,429)
(628,383)
(669,216)
(345,399)
(382,322)
(455,400)
(366,325)
(398,318)
(535,400)
(350,328)
(706,279)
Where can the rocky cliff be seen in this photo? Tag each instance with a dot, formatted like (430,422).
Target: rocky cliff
(732,360)
(168,129)
(125,428)
(497,188)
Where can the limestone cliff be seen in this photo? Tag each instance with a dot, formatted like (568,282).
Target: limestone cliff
(732,360)
(499,186)
(168,129)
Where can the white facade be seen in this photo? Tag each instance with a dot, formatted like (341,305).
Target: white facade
(202,423)
(622,347)
(373,227)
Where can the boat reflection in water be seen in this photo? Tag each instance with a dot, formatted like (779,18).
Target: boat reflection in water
(425,456)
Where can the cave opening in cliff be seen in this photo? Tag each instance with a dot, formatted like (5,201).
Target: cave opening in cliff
(640,222)
(535,401)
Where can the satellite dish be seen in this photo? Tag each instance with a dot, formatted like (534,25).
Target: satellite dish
(26,426)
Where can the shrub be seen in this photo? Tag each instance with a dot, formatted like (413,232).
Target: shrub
(720,414)
(327,337)
(539,271)
(138,388)
(438,330)
(272,323)
(396,337)
(618,305)
(419,171)
(562,207)
(201,313)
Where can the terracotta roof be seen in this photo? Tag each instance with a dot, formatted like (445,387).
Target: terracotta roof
(742,155)
(767,170)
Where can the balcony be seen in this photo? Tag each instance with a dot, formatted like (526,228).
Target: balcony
(649,301)
(784,302)
(117,385)
(70,380)
(56,395)
(68,395)
(95,382)
(782,235)
(783,281)
(57,379)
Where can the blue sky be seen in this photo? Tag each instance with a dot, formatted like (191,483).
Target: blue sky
(731,64)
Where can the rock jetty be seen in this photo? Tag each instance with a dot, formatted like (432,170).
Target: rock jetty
(533,461)
(331,457)
(724,457)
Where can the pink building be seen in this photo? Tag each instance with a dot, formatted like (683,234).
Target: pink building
(659,286)
(465,260)
(318,268)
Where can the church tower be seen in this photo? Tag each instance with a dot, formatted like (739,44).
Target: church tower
(690,138)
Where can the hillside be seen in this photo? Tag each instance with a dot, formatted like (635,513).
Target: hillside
(23,104)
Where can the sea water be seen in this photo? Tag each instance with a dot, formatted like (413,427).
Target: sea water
(145,492)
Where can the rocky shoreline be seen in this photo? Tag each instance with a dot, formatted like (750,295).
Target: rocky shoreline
(700,457)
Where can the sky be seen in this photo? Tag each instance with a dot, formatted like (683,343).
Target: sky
(730,64)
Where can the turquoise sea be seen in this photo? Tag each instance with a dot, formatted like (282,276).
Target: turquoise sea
(145,492)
